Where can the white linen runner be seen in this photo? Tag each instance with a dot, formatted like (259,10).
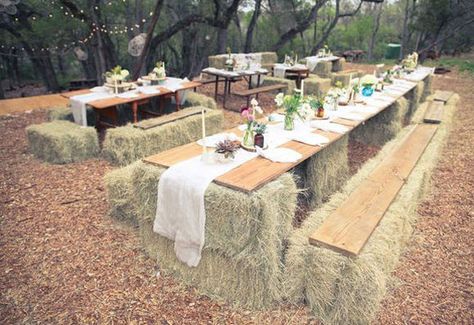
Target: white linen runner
(79,103)
(312,61)
(180,212)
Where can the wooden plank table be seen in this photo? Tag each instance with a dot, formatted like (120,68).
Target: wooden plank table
(258,171)
(104,104)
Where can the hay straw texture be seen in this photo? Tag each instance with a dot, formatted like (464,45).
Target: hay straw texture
(196,99)
(326,172)
(414,98)
(428,88)
(60,113)
(126,144)
(62,142)
(244,233)
(343,290)
(384,126)
(343,77)
(291,85)
(316,86)
(323,69)
(338,65)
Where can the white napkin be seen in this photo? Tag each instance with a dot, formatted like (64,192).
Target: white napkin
(274,117)
(329,127)
(100,89)
(310,138)
(279,71)
(281,155)
(211,141)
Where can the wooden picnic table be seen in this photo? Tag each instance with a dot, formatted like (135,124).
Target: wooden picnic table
(233,76)
(258,171)
(103,105)
(296,73)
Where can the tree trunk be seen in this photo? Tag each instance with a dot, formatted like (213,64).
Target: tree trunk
(404,42)
(375,30)
(221,40)
(252,25)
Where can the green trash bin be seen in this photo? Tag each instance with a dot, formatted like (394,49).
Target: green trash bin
(393,51)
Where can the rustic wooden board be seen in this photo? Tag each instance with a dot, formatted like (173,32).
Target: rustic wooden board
(345,122)
(250,175)
(434,112)
(349,227)
(70,94)
(168,118)
(258,90)
(442,95)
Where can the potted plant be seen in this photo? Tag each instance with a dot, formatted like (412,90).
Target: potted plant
(259,139)
(226,149)
(294,106)
(248,113)
(115,77)
(317,104)
(158,73)
(331,99)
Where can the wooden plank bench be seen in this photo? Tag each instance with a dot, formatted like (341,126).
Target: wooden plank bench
(255,91)
(350,226)
(442,96)
(151,123)
(434,112)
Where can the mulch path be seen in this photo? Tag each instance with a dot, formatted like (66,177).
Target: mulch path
(63,260)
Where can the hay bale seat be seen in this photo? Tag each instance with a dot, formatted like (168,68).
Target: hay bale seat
(126,144)
(344,77)
(341,289)
(338,65)
(323,69)
(242,257)
(291,85)
(316,86)
(62,142)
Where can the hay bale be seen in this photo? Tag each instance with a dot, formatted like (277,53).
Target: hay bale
(274,80)
(60,113)
(343,77)
(339,289)
(428,87)
(119,189)
(338,65)
(243,231)
(217,61)
(196,99)
(323,69)
(317,86)
(326,172)
(414,99)
(383,126)
(126,144)
(62,142)
(268,59)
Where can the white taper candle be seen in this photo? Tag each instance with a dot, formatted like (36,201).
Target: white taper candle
(203,122)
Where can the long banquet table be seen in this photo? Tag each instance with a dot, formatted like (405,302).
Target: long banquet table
(257,172)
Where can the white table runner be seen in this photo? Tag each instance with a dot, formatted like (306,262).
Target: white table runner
(312,61)
(79,105)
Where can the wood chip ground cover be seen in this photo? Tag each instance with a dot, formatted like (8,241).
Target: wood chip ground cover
(63,260)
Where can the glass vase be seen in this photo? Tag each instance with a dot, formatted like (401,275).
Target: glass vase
(289,122)
(367,91)
(248,139)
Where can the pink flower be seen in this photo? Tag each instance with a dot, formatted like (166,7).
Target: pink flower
(245,113)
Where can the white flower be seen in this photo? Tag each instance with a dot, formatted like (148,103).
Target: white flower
(254,102)
(258,109)
(279,99)
(124,73)
(368,79)
(305,111)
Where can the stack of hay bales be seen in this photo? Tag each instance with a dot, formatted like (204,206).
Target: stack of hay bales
(197,99)
(428,87)
(316,86)
(343,290)
(344,77)
(414,98)
(242,256)
(338,65)
(126,144)
(384,126)
(60,113)
(323,69)
(291,85)
(62,142)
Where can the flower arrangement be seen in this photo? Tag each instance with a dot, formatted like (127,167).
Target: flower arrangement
(259,140)
(229,63)
(117,74)
(332,97)
(159,71)
(368,83)
(226,149)
(324,52)
(248,113)
(387,78)
(296,106)
(411,61)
